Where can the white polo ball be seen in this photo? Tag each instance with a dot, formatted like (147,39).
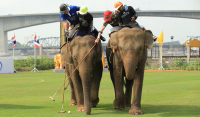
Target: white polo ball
(69,112)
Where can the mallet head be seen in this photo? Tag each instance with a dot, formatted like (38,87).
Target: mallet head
(62,112)
(51,98)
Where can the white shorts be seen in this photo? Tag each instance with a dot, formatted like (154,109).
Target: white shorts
(72,31)
(114,28)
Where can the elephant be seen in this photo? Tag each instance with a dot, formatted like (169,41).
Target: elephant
(85,81)
(126,53)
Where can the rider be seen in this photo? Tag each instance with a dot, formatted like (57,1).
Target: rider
(112,19)
(68,15)
(127,16)
(85,21)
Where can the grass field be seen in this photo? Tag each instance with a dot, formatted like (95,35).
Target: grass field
(165,93)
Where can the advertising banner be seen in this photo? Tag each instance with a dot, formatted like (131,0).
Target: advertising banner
(6,65)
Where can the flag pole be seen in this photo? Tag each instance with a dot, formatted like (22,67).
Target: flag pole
(34,57)
(161,67)
(14,53)
(161,43)
(14,57)
(34,69)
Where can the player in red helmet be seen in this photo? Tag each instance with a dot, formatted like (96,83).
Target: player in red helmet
(112,19)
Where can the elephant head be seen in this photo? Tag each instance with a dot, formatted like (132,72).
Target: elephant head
(130,43)
(82,46)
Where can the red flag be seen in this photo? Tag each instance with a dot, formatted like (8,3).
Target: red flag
(14,41)
(36,41)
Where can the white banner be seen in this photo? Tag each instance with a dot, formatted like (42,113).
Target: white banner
(6,65)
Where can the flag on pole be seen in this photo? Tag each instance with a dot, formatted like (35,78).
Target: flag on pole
(161,37)
(13,39)
(36,41)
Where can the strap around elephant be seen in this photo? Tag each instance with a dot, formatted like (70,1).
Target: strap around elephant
(113,47)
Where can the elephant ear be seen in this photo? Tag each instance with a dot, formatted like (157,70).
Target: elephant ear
(148,39)
(69,53)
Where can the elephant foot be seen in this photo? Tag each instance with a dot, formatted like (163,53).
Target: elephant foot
(80,108)
(120,105)
(72,102)
(135,111)
(94,103)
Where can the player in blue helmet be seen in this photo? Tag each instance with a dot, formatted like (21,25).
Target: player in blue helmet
(68,14)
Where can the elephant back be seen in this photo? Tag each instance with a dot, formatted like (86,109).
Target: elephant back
(83,45)
(128,39)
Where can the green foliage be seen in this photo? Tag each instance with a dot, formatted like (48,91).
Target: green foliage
(194,65)
(165,66)
(155,66)
(147,66)
(177,64)
(44,63)
(180,64)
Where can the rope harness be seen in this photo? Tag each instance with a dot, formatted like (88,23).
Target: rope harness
(113,48)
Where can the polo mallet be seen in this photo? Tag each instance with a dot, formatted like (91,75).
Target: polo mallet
(63,95)
(62,110)
(52,98)
(67,86)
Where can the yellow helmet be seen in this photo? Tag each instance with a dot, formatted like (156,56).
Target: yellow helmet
(83,10)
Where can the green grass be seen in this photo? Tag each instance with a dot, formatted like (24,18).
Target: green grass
(165,93)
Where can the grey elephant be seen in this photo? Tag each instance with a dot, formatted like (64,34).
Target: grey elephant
(126,54)
(85,81)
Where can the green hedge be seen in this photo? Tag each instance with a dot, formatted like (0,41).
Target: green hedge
(178,64)
(44,63)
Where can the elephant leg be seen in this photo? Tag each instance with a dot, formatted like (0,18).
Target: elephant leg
(73,97)
(119,101)
(72,92)
(86,74)
(109,56)
(77,83)
(138,82)
(95,84)
(128,93)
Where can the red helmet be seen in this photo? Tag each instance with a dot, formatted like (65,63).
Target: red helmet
(107,15)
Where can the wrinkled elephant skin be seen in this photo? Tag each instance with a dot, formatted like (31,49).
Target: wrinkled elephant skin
(85,81)
(126,55)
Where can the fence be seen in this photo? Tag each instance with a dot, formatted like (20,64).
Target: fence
(177,51)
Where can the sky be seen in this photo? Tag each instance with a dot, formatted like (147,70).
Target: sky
(180,28)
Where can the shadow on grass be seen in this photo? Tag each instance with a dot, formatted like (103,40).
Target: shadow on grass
(14,106)
(160,110)
(108,109)
(171,110)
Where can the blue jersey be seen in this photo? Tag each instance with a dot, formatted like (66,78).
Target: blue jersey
(71,16)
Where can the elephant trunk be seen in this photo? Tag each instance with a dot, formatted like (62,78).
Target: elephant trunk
(130,63)
(86,77)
